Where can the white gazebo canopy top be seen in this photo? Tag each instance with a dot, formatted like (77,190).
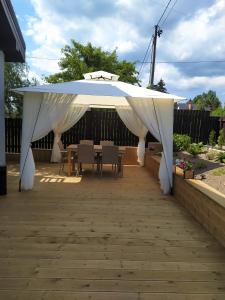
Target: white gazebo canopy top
(103,89)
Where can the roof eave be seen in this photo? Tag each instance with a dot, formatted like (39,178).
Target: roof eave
(11,39)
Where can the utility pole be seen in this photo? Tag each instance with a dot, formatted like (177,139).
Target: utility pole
(157,34)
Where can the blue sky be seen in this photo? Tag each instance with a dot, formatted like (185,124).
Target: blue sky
(194,31)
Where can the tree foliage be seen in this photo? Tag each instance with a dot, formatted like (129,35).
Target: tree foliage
(221,138)
(160,86)
(16,75)
(212,138)
(218,112)
(79,59)
(207,100)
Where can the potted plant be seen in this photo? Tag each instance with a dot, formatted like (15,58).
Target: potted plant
(187,167)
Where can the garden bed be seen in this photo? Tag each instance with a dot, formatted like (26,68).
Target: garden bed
(214,172)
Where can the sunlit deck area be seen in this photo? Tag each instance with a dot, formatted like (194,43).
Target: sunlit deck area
(103,238)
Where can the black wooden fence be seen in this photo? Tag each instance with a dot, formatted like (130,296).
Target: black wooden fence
(99,124)
(195,123)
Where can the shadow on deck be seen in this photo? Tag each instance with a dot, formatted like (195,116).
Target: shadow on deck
(103,238)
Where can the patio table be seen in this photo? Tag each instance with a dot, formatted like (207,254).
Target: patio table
(98,150)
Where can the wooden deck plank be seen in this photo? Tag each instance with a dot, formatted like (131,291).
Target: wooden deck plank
(58,295)
(101,238)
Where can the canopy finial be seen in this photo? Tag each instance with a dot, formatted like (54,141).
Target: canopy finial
(101,75)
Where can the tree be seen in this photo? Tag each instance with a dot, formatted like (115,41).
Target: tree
(212,138)
(79,59)
(218,112)
(16,75)
(160,86)
(221,139)
(207,100)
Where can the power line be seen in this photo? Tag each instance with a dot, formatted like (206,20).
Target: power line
(42,58)
(156,35)
(149,62)
(183,62)
(172,7)
(143,61)
(164,12)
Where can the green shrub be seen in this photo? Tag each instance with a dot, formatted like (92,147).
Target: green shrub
(195,149)
(220,157)
(220,139)
(181,142)
(212,138)
(211,155)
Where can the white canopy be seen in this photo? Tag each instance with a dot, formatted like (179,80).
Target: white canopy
(97,91)
(59,106)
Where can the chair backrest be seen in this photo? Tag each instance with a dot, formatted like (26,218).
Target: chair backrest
(110,154)
(61,147)
(86,142)
(106,143)
(85,154)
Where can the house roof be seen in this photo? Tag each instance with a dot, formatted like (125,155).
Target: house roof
(11,39)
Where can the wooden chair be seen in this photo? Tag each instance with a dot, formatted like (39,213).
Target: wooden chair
(106,143)
(86,142)
(110,155)
(120,164)
(64,156)
(85,155)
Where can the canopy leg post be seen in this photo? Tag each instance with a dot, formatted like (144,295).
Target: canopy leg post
(20,190)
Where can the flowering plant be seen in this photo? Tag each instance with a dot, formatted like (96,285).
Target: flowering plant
(185,165)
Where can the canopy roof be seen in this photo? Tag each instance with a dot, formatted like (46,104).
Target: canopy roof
(107,92)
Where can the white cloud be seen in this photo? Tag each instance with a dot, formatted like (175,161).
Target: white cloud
(199,36)
(50,31)
(176,80)
(127,25)
(45,59)
(34,75)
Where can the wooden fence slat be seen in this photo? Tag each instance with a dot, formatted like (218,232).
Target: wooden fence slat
(105,124)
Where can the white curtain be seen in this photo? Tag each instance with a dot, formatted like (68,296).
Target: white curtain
(41,113)
(136,126)
(72,116)
(157,115)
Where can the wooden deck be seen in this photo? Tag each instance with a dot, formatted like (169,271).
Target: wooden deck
(103,239)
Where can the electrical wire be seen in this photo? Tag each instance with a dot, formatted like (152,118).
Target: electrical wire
(172,7)
(162,15)
(149,62)
(183,62)
(42,58)
(151,44)
(143,61)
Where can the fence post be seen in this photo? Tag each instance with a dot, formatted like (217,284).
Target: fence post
(89,125)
